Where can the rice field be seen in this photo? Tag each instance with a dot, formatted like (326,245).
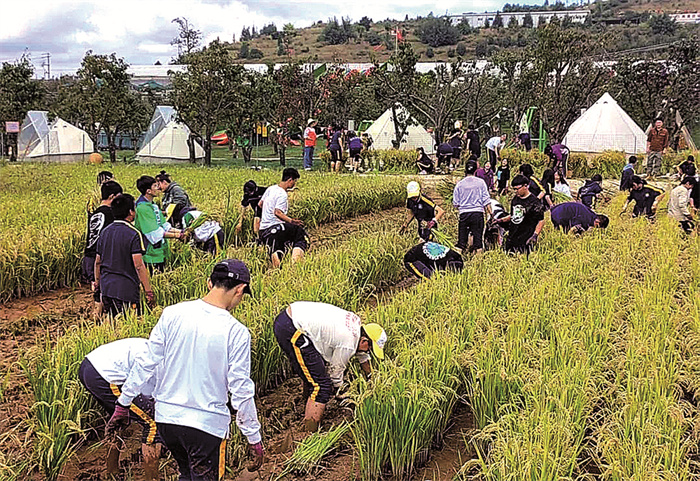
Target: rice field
(578,362)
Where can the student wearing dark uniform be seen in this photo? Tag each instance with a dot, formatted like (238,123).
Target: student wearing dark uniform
(335,147)
(472,141)
(627,173)
(444,155)
(576,217)
(645,197)
(119,265)
(278,231)
(534,185)
(526,218)
(252,193)
(525,140)
(455,142)
(103,373)
(590,190)
(687,168)
(423,209)
(548,187)
(354,150)
(424,163)
(427,257)
(97,221)
(559,156)
(503,176)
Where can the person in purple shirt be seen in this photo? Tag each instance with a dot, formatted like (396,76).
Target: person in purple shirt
(484,173)
(559,155)
(576,217)
(472,200)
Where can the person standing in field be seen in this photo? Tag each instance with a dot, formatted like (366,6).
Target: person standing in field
(309,143)
(503,176)
(201,355)
(278,231)
(423,209)
(534,185)
(102,373)
(150,221)
(627,173)
(548,188)
(97,221)
(320,339)
(336,148)
(577,218)
(173,195)
(526,218)
(657,143)
(471,198)
(679,202)
(455,142)
(484,173)
(354,151)
(119,265)
(96,195)
(252,193)
(472,142)
(426,258)
(525,141)
(645,197)
(590,191)
(494,146)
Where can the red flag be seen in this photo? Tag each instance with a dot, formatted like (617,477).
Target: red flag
(399,35)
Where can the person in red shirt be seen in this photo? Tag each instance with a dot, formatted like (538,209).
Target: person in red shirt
(309,143)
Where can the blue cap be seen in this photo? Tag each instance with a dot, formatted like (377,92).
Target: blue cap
(233,269)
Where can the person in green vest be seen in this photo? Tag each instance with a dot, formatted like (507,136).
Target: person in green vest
(151,222)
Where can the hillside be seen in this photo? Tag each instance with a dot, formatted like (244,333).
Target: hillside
(305,44)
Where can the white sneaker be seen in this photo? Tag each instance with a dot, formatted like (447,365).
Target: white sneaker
(307,168)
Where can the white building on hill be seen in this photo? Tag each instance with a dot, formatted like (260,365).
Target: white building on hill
(477,20)
(687,17)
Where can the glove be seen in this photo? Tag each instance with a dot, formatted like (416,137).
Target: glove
(150,299)
(532,240)
(431,224)
(118,421)
(257,453)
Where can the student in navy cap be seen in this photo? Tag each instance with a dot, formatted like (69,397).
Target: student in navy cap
(577,217)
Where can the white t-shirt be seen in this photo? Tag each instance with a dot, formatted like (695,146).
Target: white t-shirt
(334,332)
(275,197)
(205,356)
(113,361)
(493,143)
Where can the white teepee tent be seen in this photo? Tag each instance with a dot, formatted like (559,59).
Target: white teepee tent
(169,145)
(605,126)
(383,133)
(59,142)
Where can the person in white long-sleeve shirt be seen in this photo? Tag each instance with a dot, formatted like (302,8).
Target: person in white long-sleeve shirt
(471,198)
(205,357)
(320,339)
(103,372)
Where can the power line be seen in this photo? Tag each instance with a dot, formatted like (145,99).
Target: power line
(46,64)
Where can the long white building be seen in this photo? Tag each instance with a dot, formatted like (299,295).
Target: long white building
(687,17)
(478,20)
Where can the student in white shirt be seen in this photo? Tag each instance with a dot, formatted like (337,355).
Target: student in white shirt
(494,147)
(314,335)
(204,353)
(103,372)
(278,231)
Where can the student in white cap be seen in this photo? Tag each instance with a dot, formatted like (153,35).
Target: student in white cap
(423,209)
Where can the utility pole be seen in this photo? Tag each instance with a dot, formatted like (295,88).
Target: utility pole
(46,64)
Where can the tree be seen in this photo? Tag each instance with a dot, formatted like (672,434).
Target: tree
(244,52)
(98,98)
(438,32)
(337,33)
(280,46)
(270,29)
(289,30)
(498,20)
(513,22)
(19,93)
(187,40)
(246,36)
(527,20)
(256,53)
(663,25)
(373,38)
(205,94)
(487,24)
(461,49)
(366,22)
(429,52)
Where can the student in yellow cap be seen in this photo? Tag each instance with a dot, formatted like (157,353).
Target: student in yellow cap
(423,209)
(320,339)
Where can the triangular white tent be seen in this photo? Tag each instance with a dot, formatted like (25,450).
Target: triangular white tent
(169,145)
(686,140)
(383,133)
(62,142)
(605,126)
(161,117)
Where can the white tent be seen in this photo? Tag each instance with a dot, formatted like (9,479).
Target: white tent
(605,126)
(169,145)
(61,142)
(161,117)
(383,133)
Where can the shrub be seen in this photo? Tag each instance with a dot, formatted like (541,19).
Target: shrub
(437,32)
(337,33)
(429,52)
(256,53)
(461,49)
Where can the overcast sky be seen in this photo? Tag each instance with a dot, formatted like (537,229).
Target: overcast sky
(141,31)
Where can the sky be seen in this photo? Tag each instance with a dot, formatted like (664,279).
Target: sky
(141,31)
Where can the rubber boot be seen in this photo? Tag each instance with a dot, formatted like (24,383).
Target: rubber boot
(313,415)
(151,461)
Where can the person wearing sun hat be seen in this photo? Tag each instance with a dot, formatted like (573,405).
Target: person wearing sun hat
(425,211)
(201,355)
(320,339)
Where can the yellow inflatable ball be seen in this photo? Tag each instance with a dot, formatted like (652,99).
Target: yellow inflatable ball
(96,158)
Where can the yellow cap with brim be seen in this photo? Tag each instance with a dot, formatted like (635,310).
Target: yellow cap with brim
(378,337)
(413,189)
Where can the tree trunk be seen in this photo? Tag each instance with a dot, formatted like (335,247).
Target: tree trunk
(111,145)
(282,150)
(207,151)
(397,129)
(190,146)
(247,153)
(12,139)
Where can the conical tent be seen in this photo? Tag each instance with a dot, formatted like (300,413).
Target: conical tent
(605,126)
(62,143)
(383,133)
(161,117)
(169,145)
(34,128)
